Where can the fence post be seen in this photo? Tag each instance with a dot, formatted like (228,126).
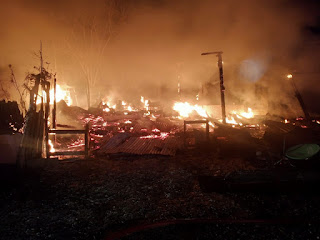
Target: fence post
(86,141)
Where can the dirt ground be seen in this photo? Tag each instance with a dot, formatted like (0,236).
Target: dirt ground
(89,199)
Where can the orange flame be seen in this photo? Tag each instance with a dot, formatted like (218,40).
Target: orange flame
(185,109)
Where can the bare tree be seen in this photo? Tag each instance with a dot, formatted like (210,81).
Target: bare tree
(22,100)
(90,37)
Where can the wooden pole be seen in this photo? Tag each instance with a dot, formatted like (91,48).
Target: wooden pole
(207,130)
(300,99)
(86,141)
(222,88)
(54,111)
(47,111)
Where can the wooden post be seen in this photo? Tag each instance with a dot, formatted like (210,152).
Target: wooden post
(222,88)
(86,141)
(47,111)
(184,133)
(54,111)
(207,130)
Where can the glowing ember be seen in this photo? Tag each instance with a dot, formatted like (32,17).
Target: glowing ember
(76,144)
(286,121)
(162,136)
(185,109)
(156,130)
(145,102)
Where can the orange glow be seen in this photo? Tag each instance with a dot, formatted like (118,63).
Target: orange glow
(162,136)
(289,76)
(52,150)
(61,94)
(185,109)
(248,114)
(145,102)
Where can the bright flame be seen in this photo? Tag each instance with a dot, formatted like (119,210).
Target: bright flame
(61,94)
(289,76)
(231,120)
(162,136)
(248,114)
(185,109)
(145,103)
(106,109)
(52,150)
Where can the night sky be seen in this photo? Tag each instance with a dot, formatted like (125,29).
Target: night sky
(130,48)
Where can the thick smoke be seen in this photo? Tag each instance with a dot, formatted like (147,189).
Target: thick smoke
(152,44)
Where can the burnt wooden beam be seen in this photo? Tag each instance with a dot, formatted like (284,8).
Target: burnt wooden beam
(67,153)
(67,131)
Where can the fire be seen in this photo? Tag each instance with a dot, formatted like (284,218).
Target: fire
(61,94)
(145,102)
(106,109)
(185,109)
(52,149)
(231,120)
(162,136)
(246,114)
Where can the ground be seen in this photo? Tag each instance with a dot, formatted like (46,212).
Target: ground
(89,199)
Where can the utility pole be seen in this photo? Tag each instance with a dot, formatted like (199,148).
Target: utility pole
(299,97)
(222,88)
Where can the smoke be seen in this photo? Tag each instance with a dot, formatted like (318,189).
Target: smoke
(152,45)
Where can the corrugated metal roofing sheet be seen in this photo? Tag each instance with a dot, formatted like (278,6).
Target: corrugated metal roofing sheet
(142,146)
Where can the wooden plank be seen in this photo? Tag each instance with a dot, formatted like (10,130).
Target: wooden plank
(195,121)
(86,141)
(67,131)
(67,153)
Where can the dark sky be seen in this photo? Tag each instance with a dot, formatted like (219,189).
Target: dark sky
(149,43)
